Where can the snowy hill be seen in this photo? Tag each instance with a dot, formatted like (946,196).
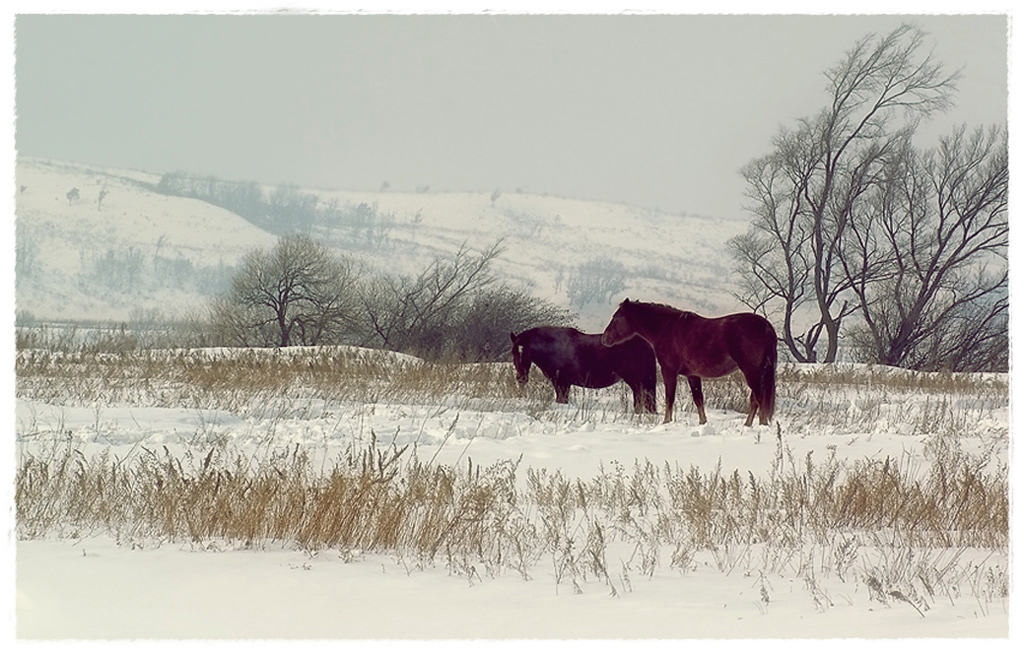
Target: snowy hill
(118,249)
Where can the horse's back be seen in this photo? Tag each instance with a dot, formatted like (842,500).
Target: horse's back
(752,332)
(714,347)
(578,358)
(551,339)
(553,348)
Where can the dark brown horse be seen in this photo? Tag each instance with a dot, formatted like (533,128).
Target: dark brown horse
(696,347)
(569,357)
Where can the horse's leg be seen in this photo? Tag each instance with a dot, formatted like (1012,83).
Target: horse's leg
(698,397)
(670,392)
(561,393)
(756,392)
(645,392)
(643,400)
(753,409)
(649,382)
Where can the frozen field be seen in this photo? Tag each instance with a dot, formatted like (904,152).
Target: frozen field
(101,583)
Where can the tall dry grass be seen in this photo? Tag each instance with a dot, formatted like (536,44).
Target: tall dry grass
(810,397)
(801,518)
(908,534)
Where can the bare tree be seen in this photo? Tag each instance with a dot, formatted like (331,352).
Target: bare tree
(297,293)
(407,314)
(455,309)
(929,266)
(775,268)
(806,192)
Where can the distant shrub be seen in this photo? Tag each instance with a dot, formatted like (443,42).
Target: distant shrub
(118,269)
(361,225)
(596,281)
(26,257)
(130,271)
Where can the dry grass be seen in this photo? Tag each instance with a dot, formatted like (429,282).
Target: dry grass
(909,535)
(232,380)
(372,499)
(799,520)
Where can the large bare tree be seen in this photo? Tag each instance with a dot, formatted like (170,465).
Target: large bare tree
(928,260)
(296,293)
(807,191)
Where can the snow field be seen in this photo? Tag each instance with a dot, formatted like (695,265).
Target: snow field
(643,588)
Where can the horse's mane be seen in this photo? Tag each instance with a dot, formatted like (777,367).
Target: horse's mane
(661,309)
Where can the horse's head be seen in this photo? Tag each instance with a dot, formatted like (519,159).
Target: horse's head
(521,360)
(619,330)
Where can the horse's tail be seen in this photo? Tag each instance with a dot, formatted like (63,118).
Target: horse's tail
(766,403)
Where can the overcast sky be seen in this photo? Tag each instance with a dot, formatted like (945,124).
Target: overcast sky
(655,111)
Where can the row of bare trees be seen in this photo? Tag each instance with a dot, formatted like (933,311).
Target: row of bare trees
(301,293)
(284,210)
(858,233)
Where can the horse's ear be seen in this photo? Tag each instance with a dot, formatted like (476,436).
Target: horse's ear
(625,302)
(513,335)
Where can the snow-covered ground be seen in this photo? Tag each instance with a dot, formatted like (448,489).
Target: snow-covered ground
(91,586)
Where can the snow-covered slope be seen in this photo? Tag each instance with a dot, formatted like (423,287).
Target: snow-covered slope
(60,240)
(66,246)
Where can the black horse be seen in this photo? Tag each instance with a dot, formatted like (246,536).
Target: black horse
(569,357)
